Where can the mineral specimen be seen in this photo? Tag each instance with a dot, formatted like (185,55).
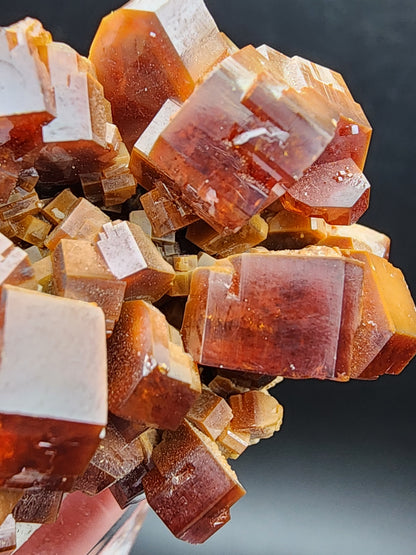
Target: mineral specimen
(251,158)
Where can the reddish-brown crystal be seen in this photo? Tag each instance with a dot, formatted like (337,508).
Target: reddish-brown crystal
(147,52)
(385,341)
(38,505)
(336,191)
(288,230)
(291,314)
(51,434)
(164,212)
(191,487)
(151,379)
(353,131)
(82,522)
(113,459)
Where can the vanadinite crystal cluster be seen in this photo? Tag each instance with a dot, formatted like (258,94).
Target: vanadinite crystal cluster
(178,234)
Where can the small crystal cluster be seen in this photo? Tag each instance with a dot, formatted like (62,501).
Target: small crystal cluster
(162,271)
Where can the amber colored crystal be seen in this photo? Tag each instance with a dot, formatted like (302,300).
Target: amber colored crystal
(224,387)
(114,459)
(288,230)
(358,238)
(19,204)
(210,413)
(80,272)
(32,230)
(51,434)
(192,486)
(336,191)
(28,179)
(132,257)
(44,273)
(251,313)
(353,131)
(210,241)
(38,505)
(257,413)
(8,499)
(8,536)
(60,207)
(181,284)
(233,443)
(385,341)
(84,221)
(146,52)
(185,262)
(15,268)
(151,379)
(164,212)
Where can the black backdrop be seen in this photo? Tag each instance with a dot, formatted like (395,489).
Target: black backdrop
(340,476)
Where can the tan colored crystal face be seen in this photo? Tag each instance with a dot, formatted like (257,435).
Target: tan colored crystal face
(288,230)
(256,413)
(210,413)
(8,500)
(151,379)
(80,272)
(358,238)
(154,54)
(84,221)
(211,242)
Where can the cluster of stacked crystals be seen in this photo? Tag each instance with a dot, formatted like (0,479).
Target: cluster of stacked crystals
(178,233)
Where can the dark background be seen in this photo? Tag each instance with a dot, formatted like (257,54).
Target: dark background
(340,477)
